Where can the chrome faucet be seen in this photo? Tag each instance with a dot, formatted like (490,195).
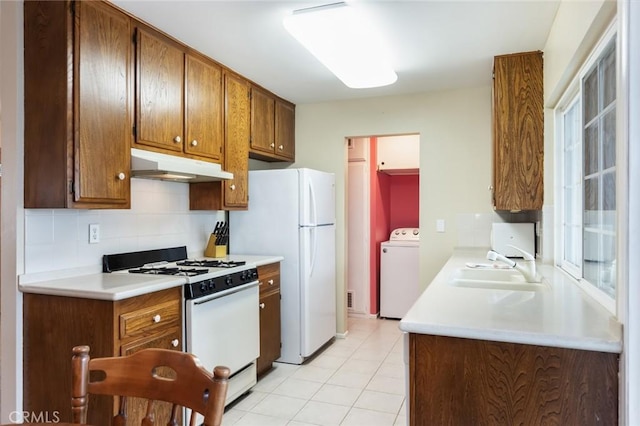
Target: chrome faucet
(527,267)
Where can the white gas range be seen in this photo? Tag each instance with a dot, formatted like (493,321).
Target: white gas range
(221,313)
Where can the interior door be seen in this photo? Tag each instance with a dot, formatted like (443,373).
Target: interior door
(317,286)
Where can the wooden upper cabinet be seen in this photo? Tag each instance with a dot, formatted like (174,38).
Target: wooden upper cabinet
(272,127)
(518,132)
(262,121)
(236,144)
(204,106)
(179,99)
(285,130)
(160,91)
(78,105)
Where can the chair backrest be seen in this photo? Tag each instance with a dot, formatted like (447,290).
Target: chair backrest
(137,375)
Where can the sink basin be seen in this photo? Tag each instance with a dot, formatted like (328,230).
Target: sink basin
(492,278)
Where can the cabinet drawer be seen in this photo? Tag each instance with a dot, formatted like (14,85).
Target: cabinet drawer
(149,319)
(165,339)
(269,277)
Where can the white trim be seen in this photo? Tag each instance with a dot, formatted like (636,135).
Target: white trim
(598,295)
(12,216)
(629,217)
(572,94)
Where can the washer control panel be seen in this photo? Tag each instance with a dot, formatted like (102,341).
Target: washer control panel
(405,234)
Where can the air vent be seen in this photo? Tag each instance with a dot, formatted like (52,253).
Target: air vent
(350,300)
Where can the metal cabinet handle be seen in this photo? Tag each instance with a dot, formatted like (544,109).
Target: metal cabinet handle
(232,187)
(270,282)
(177,139)
(157,318)
(281,147)
(121,176)
(175,343)
(194,143)
(272,145)
(262,306)
(384,250)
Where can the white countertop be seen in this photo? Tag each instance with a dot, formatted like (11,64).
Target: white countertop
(114,286)
(560,314)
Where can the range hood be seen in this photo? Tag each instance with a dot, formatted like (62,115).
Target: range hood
(153,165)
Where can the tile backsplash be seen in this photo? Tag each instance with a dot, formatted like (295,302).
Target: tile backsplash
(474,229)
(159,217)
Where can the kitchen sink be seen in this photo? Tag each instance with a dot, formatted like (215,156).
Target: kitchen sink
(492,278)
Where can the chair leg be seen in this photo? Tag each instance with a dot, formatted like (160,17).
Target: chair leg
(80,377)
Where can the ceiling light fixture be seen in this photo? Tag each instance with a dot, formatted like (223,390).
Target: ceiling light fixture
(344,42)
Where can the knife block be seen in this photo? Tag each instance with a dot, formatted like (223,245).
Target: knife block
(213,250)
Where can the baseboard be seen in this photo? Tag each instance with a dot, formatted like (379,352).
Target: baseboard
(342,335)
(362,315)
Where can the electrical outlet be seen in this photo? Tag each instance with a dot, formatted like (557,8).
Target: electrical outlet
(94,233)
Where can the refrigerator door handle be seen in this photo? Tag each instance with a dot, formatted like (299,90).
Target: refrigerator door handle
(314,249)
(313,208)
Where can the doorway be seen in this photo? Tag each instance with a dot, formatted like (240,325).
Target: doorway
(382,195)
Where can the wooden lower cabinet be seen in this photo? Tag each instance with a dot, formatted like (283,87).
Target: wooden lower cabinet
(464,382)
(269,277)
(53,325)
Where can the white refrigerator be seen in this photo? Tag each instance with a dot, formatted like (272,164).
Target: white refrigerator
(292,214)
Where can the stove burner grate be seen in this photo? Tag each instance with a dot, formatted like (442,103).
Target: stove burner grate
(190,272)
(211,263)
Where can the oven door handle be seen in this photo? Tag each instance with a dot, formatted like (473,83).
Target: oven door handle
(224,293)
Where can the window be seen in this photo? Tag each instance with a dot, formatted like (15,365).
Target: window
(588,176)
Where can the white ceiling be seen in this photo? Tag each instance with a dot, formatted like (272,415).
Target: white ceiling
(435,44)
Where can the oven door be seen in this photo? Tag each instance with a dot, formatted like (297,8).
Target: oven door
(224,329)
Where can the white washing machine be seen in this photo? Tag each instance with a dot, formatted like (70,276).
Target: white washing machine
(399,272)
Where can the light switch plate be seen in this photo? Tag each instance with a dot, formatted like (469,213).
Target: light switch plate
(440,225)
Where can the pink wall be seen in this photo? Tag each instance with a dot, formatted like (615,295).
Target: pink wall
(394,204)
(404,201)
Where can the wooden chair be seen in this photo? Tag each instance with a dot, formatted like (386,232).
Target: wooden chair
(136,375)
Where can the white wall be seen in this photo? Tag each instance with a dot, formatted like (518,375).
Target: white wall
(455,160)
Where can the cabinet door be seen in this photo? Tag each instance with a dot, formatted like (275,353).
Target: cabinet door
(102,118)
(237,128)
(269,330)
(136,407)
(518,126)
(203,88)
(262,121)
(285,130)
(160,84)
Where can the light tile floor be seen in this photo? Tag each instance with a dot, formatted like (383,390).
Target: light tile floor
(356,381)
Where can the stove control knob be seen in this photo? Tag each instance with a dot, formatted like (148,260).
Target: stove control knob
(203,287)
(211,285)
(228,280)
(254,275)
